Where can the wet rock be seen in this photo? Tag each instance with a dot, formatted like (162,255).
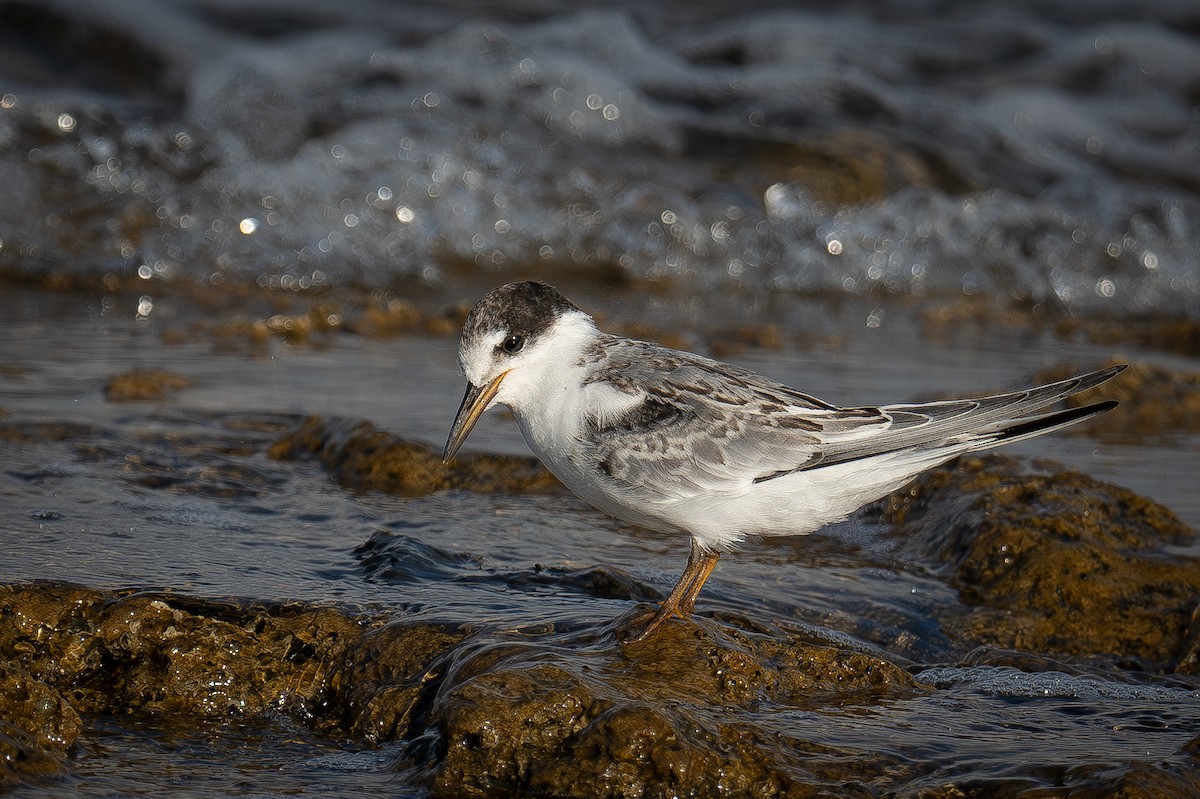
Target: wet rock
(46,627)
(217,662)
(1054,561)
(732,342)
(362,458)
(386,317)
(845,167)
(644,331)
(602,582)
(386,557)
(240,333)
(401,559)
(27,432)
(144,384)
(1170,334)
(948,319)
(486,712)
(189,459)
(300,328)
(38,648)
(672,715)
(392,676)
(37,727)
(245,318)
(699,708)
(167,655)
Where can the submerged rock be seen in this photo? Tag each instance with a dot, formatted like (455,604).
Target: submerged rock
(25,431)
(1054,561)
(144,384)
(1167,332)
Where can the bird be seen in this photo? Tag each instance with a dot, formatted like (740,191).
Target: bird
(689,446)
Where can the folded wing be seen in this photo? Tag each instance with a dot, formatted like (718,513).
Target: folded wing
(704,427)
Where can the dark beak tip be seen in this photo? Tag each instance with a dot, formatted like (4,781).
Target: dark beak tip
(450,450)
(475,401)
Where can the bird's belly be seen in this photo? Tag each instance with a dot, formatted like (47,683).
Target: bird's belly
(717,519)
(794,504)
(603,493)
(591,485)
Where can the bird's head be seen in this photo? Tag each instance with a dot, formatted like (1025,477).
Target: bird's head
(509,339)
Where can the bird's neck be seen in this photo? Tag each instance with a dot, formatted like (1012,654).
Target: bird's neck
(551,399)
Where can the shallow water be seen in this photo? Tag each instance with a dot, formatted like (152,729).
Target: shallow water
(179,495)
(120,759)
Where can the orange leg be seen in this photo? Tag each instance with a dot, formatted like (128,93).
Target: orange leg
(682,599)
(705,563)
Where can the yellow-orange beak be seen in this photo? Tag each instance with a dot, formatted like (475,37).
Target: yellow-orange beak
(474,403)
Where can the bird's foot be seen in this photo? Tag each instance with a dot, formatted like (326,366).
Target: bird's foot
(642,625)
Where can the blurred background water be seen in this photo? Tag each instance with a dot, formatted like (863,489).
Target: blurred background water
(822,169)
(1047,152)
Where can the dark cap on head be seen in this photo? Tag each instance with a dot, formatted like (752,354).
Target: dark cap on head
(528,308)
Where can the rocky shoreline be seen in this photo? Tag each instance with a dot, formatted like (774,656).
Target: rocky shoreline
(1056,568)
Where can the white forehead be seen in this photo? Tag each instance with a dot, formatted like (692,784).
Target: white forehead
(477,355)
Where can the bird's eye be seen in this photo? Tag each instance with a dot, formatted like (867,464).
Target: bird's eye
(513,344)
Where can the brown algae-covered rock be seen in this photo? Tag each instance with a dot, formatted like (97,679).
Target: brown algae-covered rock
(218,661)
(158,653)
(144,384)
(37,727)
(47,628)
(39,648)
(25,431)
(391,674)
(672,715)
(490,713)
(362,458)
(848,167)
(1054,561)
(1178,334)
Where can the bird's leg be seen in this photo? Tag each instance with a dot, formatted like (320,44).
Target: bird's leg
(682,599)
(704,565)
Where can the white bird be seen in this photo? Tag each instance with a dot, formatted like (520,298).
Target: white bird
(680,443)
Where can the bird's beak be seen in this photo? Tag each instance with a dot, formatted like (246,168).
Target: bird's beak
(474,403)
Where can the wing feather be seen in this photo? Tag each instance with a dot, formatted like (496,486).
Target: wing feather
(704,426)
(715,427)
